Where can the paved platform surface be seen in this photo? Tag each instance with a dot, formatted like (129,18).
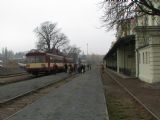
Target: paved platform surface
(19,88)
(148,94)
(80,99)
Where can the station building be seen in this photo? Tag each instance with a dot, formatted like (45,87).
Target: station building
(136,52)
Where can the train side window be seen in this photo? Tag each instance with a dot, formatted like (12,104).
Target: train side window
(40,59)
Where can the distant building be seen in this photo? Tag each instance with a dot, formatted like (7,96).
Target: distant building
(83,59)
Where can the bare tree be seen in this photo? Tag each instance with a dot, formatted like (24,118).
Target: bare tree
(61,40)
(49,37)
(46,34)
(117,11)
(7,55)
(72,51)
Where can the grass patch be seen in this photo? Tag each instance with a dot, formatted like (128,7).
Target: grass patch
(118,109)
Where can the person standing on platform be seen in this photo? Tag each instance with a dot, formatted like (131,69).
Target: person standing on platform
(66,67)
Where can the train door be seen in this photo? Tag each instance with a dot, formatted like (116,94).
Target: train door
(48,62)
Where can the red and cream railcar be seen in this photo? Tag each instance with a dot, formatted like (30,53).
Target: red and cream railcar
(41,62)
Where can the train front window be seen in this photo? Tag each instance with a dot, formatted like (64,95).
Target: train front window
(36,59)
(30,59)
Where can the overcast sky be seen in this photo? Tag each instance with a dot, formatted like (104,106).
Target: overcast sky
(78,19)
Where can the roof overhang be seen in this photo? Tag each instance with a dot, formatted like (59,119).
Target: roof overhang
(121,41)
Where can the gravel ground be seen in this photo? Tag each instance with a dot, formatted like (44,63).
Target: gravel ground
(149,94)
(6,71)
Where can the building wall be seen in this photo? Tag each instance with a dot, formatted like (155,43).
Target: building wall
(130,59)
(155,63)
(111,62)
(149,64)
(126,59)
(148,54)
(127,28)
(120,59)
(145,65)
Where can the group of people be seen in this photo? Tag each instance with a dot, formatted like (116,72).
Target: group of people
(80,68)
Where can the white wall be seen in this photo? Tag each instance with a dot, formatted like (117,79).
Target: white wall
(148,65)
(145,65)
(155,62)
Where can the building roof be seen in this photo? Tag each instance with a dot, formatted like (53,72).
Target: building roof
(121,41)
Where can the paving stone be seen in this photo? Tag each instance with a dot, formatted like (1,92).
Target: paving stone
(80,99)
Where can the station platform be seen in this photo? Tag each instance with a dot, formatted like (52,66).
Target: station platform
(80,99)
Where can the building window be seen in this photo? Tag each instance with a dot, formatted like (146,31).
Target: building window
(139,58)
(146,20)
(143,57)
(153,20)
(146,58)
(158,21)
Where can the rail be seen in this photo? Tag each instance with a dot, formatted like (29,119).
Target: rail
(13,75)
(34,90)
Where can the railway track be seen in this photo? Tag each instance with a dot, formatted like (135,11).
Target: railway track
(132,95)
(31,86)
(17,78)
(15,104)
(13,75)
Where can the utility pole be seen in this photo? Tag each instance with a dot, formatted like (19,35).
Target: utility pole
(87,49)
(87,54)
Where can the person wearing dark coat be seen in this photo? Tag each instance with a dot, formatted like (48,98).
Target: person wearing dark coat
(83,69)
(66,67)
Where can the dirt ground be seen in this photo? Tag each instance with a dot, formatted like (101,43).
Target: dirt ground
(121,106)
(11,67)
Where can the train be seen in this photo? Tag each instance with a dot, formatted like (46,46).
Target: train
(1,63)
(42,62)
